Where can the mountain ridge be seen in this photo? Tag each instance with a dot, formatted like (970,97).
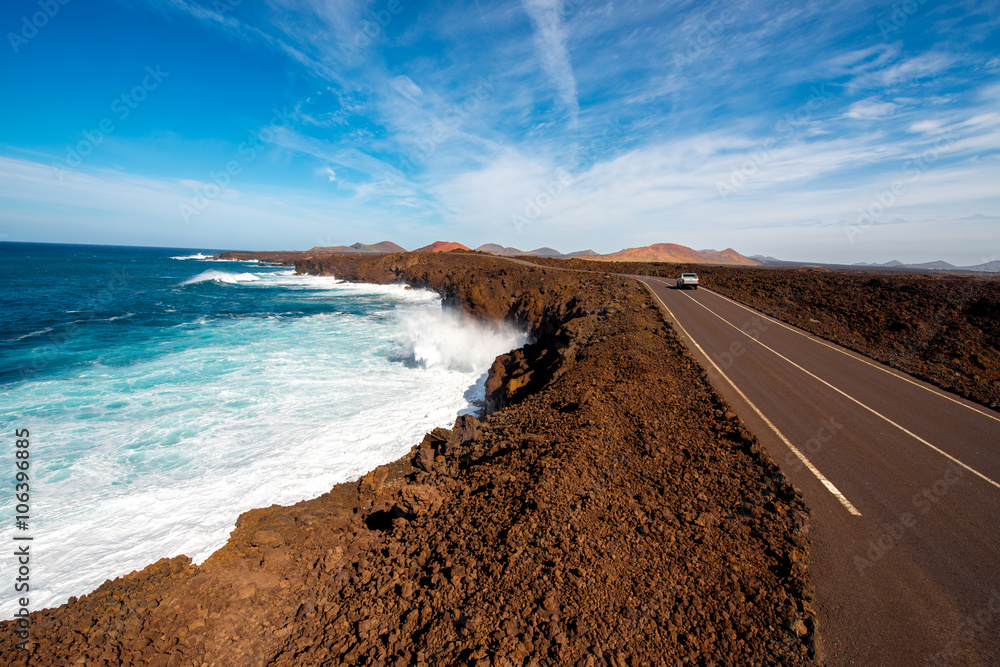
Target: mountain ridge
(657,252)
(361,248)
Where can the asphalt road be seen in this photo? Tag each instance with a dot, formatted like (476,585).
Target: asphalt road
(902,479)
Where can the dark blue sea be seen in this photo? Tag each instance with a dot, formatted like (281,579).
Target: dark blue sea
(166,393)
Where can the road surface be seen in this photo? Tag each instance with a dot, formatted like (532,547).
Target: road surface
(902,479)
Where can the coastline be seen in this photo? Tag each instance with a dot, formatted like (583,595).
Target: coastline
(625,487)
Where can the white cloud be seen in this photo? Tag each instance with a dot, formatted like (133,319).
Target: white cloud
(926,127)
(404,86)
(550,40)
(135,209)
(903,74)
(869,109)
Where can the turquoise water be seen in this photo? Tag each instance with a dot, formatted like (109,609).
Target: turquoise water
(166,393)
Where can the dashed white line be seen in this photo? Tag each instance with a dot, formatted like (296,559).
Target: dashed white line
(799,455)
(849,397)
(855,357)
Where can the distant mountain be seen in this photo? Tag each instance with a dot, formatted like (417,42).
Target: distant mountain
(677,254)
(497,249)
(384,246)
(660,252)
(993,266)
(889,265)
(728,256)
(545,252)
(442,246)
(361,248)
(938,265)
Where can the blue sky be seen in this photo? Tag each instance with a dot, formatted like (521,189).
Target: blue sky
(836,131)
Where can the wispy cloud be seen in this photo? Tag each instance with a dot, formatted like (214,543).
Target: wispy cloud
(550,40)
(455,117)
(870,109)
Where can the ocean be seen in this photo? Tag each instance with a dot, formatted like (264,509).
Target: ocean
(166,393)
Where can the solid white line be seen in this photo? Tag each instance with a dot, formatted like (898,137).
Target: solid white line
(855,356)
(849,397)
(823,480)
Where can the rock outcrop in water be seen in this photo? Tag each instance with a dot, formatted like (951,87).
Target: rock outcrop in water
(609,511)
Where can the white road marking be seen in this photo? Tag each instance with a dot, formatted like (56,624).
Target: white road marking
(808,464)
(856,357)
(851,398)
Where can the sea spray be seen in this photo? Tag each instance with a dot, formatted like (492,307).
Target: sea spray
(166,411)
(448,339)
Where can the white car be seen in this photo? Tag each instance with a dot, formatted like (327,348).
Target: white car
(687,280)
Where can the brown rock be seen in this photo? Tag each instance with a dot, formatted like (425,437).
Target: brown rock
(371,484)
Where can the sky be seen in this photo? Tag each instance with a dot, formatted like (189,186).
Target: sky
(836,131)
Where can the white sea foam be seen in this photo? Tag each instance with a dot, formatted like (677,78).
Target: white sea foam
(30,334)
(221,277)
(195,256)
(158,458)
(446,339)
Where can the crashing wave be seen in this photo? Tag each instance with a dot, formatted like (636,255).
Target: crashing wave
(221,277)
(450,340)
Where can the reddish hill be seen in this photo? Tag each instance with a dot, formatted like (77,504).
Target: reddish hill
(730,256)
(675,253)
(442,246)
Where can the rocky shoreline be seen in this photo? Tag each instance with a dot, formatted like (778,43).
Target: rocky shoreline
(608,510)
